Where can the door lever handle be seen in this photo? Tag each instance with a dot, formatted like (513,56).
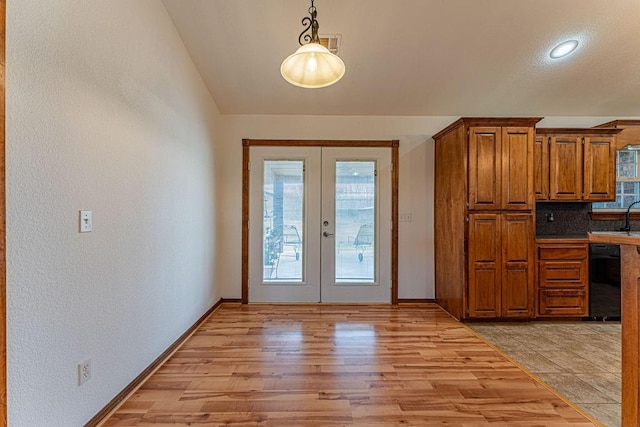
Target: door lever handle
(325,234)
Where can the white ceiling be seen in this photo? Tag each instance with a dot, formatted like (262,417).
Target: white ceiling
(422,57)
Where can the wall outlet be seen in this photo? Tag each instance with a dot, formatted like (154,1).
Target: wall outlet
(84,371)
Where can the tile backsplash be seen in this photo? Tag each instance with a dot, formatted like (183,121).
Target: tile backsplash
(572,218)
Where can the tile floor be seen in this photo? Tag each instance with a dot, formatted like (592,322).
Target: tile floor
(581,360)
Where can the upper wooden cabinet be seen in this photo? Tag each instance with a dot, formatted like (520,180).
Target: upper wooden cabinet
(565,167)
(541,168)
(599,173)
(575,164)
(629,132)
(500,168)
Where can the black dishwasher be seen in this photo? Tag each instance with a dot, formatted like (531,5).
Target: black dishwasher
(604,281)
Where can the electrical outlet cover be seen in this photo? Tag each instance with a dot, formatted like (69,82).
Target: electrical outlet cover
(84,371)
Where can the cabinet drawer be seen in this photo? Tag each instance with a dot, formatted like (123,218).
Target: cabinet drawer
(563,252)
(563,302)
(562,273)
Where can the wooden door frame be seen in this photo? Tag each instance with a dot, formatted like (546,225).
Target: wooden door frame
(392,144)
(3,222)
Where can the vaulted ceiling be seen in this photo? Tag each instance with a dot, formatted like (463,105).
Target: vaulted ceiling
(422,57)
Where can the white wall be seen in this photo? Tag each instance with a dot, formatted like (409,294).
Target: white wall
(105,112)
(415,193)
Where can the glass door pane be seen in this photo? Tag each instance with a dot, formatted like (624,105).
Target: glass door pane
(283,216)
(355,222)
(284,224)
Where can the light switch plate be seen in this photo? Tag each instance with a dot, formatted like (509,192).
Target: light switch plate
(405,217)
(86,221)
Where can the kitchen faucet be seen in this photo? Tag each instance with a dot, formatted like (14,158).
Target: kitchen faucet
(627,225)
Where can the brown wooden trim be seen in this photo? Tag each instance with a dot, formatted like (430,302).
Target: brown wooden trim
(616,123)
(315,143)
(245,221)
(395,179)
(416,300)
(630,297)
(560,241)
(120,397)
(630,134)
(612,216)
(489,121)
(577,131)
(3,229)
(231,300)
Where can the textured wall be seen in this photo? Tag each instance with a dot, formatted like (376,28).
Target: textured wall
(105,112)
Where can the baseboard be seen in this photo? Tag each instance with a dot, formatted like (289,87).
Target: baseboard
(415,300)
(120,397)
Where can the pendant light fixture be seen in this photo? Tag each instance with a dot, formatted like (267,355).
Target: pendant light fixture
(312,65)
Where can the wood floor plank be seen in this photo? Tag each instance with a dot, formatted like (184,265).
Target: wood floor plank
(339,365)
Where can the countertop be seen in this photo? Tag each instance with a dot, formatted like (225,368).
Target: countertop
(615,237)
(578,237)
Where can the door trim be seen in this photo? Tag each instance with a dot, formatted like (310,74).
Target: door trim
(392,144)
(3,222)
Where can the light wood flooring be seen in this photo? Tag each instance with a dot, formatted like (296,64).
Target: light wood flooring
(340,365)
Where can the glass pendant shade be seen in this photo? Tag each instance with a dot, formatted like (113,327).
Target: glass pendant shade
(312,66)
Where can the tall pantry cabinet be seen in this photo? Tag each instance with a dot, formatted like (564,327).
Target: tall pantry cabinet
(484,218)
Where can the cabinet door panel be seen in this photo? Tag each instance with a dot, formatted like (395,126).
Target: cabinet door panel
(563,302)
(517,260)
(517,168)
(541,168)
(562,274)
(484,265)
(599,168)
(579,251)
(484,168)
(565,168)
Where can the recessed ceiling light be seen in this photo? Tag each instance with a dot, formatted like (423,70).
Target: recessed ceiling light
(563,49)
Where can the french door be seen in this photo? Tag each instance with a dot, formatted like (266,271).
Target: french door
(319,224)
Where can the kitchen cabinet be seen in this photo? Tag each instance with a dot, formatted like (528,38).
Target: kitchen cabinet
(484,224)
(563,278)
(500,175)
(541,168)
(629,132)
(575,165)
(501,273)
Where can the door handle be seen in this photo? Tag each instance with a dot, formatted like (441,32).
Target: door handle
(325,234)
